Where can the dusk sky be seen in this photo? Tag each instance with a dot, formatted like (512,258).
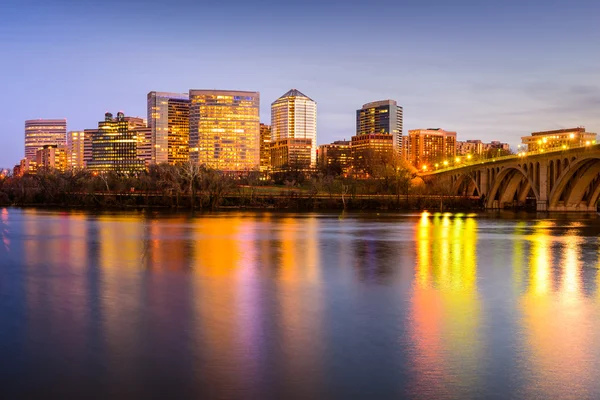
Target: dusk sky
(490,70)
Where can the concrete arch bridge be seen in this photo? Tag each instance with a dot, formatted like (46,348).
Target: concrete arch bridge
(565,180)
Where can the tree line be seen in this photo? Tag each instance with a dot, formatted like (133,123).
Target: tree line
(391,184)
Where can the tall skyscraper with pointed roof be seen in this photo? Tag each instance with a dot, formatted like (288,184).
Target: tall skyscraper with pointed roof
(294,116)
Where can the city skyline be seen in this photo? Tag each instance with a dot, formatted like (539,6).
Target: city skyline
(486,74)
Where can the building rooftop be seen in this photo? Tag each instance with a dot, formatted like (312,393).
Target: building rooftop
(380,103)
(559,131)
(295,93)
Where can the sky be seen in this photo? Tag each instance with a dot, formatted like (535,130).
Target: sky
(487,69)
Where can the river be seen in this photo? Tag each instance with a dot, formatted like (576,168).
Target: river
(298,305)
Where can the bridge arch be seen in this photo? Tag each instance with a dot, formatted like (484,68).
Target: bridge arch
(512,183)
(577,187)
(467,184)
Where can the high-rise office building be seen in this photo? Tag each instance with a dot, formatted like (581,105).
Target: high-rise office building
(294,116)
(114,146)
(88,134)
(169,121)
(265,147)
(381,118)
(41,132)
(75,149)
(143,135)
(225,129)
(431,146)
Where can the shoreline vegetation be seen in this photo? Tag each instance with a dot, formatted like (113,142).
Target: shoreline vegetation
(189,186)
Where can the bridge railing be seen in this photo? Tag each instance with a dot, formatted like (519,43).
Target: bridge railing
(464,164)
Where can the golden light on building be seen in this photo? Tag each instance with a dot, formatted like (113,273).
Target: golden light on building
(428,146)
(52,157)
(265,147)
(143,135)
(114,145)
(381,117)
(294,116)
(560,139)
(291,155)
(336,155)
(41,132)
(76,149)
(169,122)
(225,129)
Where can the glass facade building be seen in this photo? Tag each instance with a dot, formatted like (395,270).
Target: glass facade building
(88,134)
(294,116)
(381,117)
(225,129)
(169,121)
(114,146)
(41,132)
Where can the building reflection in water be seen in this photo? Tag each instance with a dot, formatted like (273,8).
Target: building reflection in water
(248,305)
(55,246)
(557,318)
(5,229)
(233,260)
(445,309)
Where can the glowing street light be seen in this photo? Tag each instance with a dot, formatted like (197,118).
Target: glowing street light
(424,167)
(445,163)
(457,160)
(469,156)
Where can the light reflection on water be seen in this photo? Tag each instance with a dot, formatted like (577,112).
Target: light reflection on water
(309,306)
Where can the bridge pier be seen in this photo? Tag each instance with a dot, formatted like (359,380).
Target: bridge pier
(542,205)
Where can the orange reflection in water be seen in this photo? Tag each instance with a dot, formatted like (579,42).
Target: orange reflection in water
(556,319)
(231,255)
(445,306)
(166,245)
(300,305)
(120,254)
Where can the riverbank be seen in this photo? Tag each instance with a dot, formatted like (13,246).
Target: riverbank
(291,200)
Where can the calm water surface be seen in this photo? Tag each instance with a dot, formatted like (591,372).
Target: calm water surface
(244,305)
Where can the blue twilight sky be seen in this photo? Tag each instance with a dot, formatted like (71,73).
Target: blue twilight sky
(494,70)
